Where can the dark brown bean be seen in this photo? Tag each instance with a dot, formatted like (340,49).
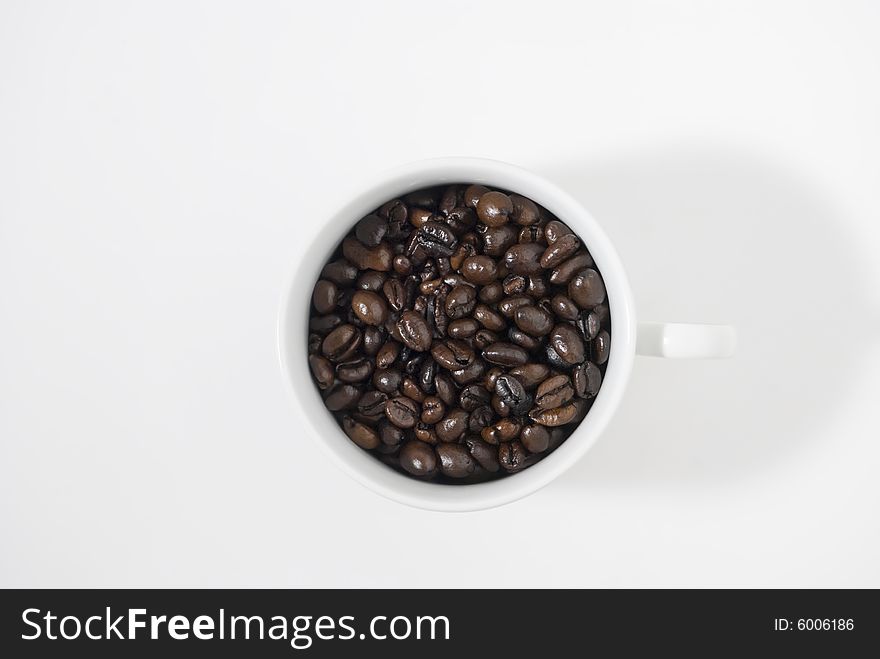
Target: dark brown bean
(433,410)
(587,289)
(470,373)
(564,308)
(356,370)
(489,318)
(505,354)
(414,331)
(497,240)
(533,320)
(554,230)
(402,412)
(554,392)
(368,258)
(587,378)
(484,453)
(325,296)
(567,343)
(559,251)
(322,371)
(524,258)
(530,375)
(446,389)
(513,394)
(453,354)
(556,416)
(453,426)
(418,458)
(387,354)
(455,460)
(601,347)
(362,435)
(341,343)
(387,380)
(370,307)
(371,280)
(341,397)
(494,208)
(512,456)
(411,389)
(340,272)
(389,433)
(463,328)
(480,418)
(525,211)
(461,301)
(509,305)
(473,396)
(479,270)
(535,438)
(491,293)
(564,272)
(371,230)
(503,431)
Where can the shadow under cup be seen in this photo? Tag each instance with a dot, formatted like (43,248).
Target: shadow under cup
(364,467)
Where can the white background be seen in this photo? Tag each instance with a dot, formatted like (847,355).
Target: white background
(162,165)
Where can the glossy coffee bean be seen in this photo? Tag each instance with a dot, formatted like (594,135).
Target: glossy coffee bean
(525,211)
(512,456)
(524,258)
(360,434)
(503,431)
(494,209)
(554,392)
(452,426)
(533,320)
(387,380)
(530,375)
(411,389)
(509,305)
(463,328)
(497,240)
(472,195)
(368,258)
(325,296)
(322,371)
(586,378)
(371,230)
(371,280)
(555,230)
(370,307)
(565,271)
(485,454)
(387,354)
(453,354)
(355,370)
(341,397)
(520,338)
(433,410)
(402,412)
(340,272)
(480,270)
(455,460)
(390,434)
(587,289)
(535,438)
(601,347)
(341,343)
(473,396)
(414,331)
(372,404)
(561,250)
(555,416)
(567,343)
(513,394)
(418,458)
(505,354)
(480,418)
(461,301)
(446,388)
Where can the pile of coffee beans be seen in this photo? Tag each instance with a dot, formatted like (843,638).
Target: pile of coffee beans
(459,333)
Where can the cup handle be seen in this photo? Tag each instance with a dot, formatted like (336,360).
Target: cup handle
(685,340)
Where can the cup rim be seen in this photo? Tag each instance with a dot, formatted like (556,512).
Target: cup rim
(292,335)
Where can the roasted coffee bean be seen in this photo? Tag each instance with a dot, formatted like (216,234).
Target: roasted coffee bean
(455,460)
(452,426)
(565,271)
(505,354)
(514,395)
(530,375)
(494,208)
(387,380)
(341,343)
(389,433)
(368,258)
(483,453)
(372,404)
(362,435)
(491,293)
(447,391)
(535,438)
(371,230)
(414,331)
(322,371)
(324,296)
(554,230)
(461,301)
(509,305)
(524,258)
(472,195)
(562,249)
(567,343)
(453,354)
(587,378)
(503,431)
(473,396)
(564,308)
(418,458)
(341,397)
(497,240)
(587,289)
(555,416)
(512,456)
(402,412)
(371,308)
(463,328)
(479,270)
(458,333)
(387,354)
(600,347)
(525,211)
(356,370)
(489,319)
(533,320)
(554,392)
(340,272)
(433,410)
(325,324)
(480,418)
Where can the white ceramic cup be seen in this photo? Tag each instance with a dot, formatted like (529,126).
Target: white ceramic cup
(628,337)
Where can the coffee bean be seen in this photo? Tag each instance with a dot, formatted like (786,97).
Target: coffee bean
(494,208)
(463,328)
(587,378)
(372,404)
(554,360)
(387,380)
(389,433)
(514,284)
(530,375)
(588,324)
(522,339)
(564,307)
(372,341)
(368,258)
(525,211)
(426,197)
(433,410)
(472,195)
(425,432)
(340,272)
(387,354)
(362,435)
(315,341)
(524,258)
(418,458)
(563,273)
(505,354)
(427,373)
(395,293)
(513,394)
(533,320)
(402,412)
(446,389)
(322,371)
(455,460)
(461,301)
(479,270)
(562,249)
(470,373)
(512,456)
(354,371)
(452,426)
(414,331)
(401,265)
(484,338)
(567,343)
(371,230)
(497,240)
(324,324)
(453,354)
(509,305)
(503,431)
(341,343)
(491,293)
(473,396)
(554,392)
(555,230)
(324,296)
(587,289)
(341,397)
(369,307)
(483,453)
(537,287)
(488,318)
(480,418)
(535,438)
(555,416)
(601,347)
(461,219)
